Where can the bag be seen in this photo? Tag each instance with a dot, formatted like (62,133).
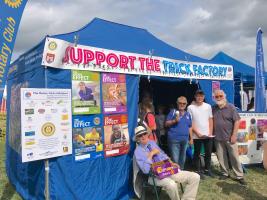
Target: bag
(155,133)
(164,169)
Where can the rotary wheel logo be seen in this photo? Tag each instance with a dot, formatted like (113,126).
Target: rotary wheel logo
(13,3)
(48,129)
(52,45)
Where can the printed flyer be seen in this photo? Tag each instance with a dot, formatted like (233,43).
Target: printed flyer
(116,135)
(46,130)
(87,137)
(114,93)
(85,92)
(250,136)
(215,86)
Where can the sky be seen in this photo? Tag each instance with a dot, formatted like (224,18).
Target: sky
(199,27)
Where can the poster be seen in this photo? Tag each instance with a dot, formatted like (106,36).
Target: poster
(116,135)
(250,136)
(46,130)
(87,137)
(215,86)
(85,92)
(114,93)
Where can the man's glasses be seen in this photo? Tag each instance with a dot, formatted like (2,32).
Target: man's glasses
(218,96)
(181,103)
(139,136)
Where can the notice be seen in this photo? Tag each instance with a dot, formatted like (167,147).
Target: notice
(114,93)
(250,137)
(85,92)
(87,137)
(116,135)
(46,130)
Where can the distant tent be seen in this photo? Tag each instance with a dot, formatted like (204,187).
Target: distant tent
(242,72)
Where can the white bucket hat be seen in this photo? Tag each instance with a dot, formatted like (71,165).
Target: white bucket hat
(139,130)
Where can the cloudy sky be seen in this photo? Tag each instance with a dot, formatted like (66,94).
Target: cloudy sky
(200,27)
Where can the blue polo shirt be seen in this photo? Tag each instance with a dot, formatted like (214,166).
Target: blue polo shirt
(179,131)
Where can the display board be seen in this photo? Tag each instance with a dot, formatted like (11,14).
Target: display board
(87,137)
(46,129)
(251,134)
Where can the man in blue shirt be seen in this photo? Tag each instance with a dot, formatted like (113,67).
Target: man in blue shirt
(180,127)
(147,152)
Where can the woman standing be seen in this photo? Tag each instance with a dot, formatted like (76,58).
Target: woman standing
(180,127)
(149,119)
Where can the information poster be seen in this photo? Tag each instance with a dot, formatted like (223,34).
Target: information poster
(114,93)
(251,134)
(46,130)
(116,135)
(87,137)
(85,92)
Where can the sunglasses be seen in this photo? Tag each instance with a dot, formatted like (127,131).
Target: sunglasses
(181,103)
(218,96)
(139,136)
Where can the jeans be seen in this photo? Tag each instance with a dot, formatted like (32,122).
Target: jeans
(178,151)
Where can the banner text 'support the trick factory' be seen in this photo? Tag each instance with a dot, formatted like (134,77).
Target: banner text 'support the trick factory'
(61,54)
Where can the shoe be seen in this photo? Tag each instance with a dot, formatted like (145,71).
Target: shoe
(202,177)
(223,177)
(209,173)
(242,181)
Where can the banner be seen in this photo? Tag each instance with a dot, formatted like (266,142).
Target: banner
(251,134)
(85,92)
(61,54)
(46,129)
(87,137)
(114,93)
(116,135)
(10,15)
(260,99)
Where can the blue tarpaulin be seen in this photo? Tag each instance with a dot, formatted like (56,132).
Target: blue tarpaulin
(102,178)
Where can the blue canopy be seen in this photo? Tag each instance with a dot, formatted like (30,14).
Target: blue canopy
(108,178)
(242,71)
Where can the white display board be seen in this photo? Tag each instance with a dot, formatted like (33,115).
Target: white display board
(251,134)
(46,124)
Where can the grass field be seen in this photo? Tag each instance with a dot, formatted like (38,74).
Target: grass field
(209,189)
(7,192)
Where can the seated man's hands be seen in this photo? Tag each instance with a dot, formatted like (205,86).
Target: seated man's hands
(152,153)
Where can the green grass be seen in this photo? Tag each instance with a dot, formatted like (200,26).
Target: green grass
(7,191)
(256,177)
(209,189)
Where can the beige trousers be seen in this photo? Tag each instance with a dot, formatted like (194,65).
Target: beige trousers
(169,184)
(224,147)
(265,155)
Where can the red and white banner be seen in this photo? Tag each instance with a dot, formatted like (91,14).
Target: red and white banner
(65,55)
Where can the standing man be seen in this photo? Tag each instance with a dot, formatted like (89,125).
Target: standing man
(180,127)
(202,124)
(226,123)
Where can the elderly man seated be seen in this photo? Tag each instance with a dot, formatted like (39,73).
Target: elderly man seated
(147,151)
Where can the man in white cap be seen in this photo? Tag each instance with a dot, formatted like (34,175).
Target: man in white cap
(147,151)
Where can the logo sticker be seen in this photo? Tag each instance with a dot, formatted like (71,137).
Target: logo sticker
(50,57)
(52,46)
(48,129)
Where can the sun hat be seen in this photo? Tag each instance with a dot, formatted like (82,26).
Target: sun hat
(139,130)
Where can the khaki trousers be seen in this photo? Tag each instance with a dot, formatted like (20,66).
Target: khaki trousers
(224,147)
(265,155)
(169,184)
